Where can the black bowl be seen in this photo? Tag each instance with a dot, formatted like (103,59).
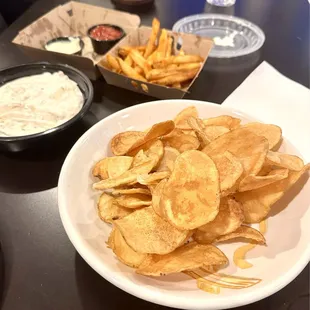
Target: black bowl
(102,46)
(20,143)
(67,39)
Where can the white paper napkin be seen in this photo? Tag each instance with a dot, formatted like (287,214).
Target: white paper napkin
(273,98)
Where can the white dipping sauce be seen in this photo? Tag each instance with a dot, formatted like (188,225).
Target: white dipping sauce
(70,46)
(225,41)
(36,103)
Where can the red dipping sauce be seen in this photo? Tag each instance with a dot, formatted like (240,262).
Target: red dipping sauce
(103,33)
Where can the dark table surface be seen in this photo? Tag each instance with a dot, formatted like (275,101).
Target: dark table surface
(42,269)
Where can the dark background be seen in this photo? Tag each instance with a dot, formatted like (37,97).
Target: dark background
(42,269)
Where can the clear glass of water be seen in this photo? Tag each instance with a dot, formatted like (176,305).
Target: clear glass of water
(222,2)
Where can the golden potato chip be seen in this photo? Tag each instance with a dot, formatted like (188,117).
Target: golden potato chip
(190,132)
(244,232)
(249,148)
(290,162)
(123,251)
(155,151)
(181,119)
(176,132)
(223,120)
(197,125)
(156,131)
(118,165)
(139,159)
(134,201)
(191,197)
(146,232)
(257,203)
(122,142)
(152,187)
(186,257)
(127,177)
(167,162)
(251,182)
(229,218)
(101,169)
(129,191)
(212,132)
(230,170)
(146,179)
(109,210)
(156,196)
(272,133)
(182,143)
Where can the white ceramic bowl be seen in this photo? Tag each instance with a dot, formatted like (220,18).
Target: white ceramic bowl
(288,235)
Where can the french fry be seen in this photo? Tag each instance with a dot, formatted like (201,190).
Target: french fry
(129,71)
(113,63)
(171,70)
(151,45)
(125,50)
(176,85)
(140,61)
(176,78)
(163,43)
(139,70)
(177,60)
(128,60)
(169,47)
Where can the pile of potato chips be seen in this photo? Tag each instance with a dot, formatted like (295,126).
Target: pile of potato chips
(182,186)
(156,62)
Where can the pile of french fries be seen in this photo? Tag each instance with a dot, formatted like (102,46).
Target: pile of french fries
(156,62)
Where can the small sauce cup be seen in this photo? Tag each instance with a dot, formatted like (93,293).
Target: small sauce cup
(67,45)
(104,37)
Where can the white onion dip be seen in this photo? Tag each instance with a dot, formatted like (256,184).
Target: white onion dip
(36,103)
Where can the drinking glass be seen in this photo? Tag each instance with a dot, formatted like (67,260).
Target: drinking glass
(222,2)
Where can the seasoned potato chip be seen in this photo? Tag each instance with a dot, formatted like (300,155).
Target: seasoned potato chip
(155,151)
(134,201)
(123,251)
(139,159)
(156,131)
(176,132)
(191,197)
(249,148)
(101,169)
(230,169)
(167,162)
(181,119)
(223,120)
(212,132)
(182,143)
(146,179)
(156,196)
(187,257)
(118,165)
(122,142)
(199,129)
(290,162)
(229,218)
(272,133)
(109,210)
(257,203)
(129,191)
(127,177)
(146,232)
(244,232)
(251,182)
(152,187)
